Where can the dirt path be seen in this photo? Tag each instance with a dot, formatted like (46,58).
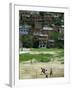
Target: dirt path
(30,71)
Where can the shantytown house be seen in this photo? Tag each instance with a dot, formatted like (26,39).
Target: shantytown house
(40,29)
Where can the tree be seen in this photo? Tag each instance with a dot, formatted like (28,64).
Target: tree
(27,41)
(35,42)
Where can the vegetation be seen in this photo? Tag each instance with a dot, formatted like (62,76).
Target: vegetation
(54,20)
(37,57)
(59,53)
(46,49)
(26,40)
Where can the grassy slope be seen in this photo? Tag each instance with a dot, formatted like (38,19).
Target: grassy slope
(42,57)
(38,57)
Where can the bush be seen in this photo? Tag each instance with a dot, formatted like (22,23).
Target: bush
(27,41)
(59,43)
(62,62)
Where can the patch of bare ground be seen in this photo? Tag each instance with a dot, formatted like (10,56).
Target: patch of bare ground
(28,70)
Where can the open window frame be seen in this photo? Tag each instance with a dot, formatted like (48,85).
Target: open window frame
(14,46)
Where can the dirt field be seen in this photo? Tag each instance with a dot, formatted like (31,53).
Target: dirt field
(31,63)
(30,70)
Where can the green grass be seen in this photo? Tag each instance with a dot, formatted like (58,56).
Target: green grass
(59,53)
(46,49)
(38,57)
